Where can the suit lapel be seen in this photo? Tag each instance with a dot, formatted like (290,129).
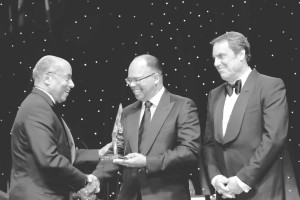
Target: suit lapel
(237,115)
(70,141)
(218,115)
(133,126)
(162,111)
(67,152)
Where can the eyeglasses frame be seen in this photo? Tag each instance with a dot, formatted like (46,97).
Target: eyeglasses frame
(61,76)
(129,81)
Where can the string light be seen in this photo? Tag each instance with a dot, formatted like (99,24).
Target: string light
(99,42)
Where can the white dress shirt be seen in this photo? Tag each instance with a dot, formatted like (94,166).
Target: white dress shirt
(230,101)
(154,100)
(228,106)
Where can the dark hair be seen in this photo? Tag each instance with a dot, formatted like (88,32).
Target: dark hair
(236,41)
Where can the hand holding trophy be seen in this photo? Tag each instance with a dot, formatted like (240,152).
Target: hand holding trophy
(115,151)
(117,139)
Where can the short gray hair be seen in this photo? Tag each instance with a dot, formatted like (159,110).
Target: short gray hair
(45,64)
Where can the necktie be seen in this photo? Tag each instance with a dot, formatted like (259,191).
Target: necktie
(237,85)
(145,122)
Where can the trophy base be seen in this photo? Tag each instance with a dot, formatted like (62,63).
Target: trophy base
(110,158)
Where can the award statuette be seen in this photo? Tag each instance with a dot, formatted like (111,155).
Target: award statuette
(117,139)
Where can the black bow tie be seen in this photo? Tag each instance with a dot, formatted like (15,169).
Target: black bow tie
(237,85)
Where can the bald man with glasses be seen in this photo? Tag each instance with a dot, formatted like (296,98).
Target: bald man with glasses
(161,134)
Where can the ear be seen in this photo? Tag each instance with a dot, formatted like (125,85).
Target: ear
(156,77)
(46,78)
(242,55)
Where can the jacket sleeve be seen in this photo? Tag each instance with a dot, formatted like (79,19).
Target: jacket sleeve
(210,161)
(40,125)
(106,169)
(86,156)
(275,127)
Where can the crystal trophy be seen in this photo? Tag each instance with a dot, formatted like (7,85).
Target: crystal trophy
(117,139)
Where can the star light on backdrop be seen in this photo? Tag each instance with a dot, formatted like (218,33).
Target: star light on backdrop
(100,38)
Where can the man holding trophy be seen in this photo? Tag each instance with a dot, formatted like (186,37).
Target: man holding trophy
(160,137)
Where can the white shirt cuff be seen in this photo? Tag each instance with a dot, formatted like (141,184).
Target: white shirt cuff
(244,186)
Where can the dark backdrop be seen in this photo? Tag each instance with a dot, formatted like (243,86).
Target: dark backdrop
(100,38)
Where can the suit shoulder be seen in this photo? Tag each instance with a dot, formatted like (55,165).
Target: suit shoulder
(33,109)
(131,106)
(35,101)
(269,81)
(34,105)
(268,78)
(182,101)
(175,97)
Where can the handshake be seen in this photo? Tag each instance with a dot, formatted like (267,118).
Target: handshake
(93,186)
(88,192)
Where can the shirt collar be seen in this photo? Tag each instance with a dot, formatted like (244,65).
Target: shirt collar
(245,76)
(46,93)
(155,100)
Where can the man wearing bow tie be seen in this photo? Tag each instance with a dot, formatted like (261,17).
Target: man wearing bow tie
(246,128)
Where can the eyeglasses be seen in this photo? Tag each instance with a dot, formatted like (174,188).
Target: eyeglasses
(67,78)
(135,80)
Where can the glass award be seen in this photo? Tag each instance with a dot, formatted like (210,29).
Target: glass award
(117,150)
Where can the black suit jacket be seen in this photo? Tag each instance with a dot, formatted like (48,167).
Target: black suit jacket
(253,147)
(41,167)
(170,145)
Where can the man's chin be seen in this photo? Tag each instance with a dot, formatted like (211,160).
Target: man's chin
(63,99)
(138,97)
(224,77)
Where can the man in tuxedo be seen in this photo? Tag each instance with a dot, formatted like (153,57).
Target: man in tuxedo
(246,128)
(42,147)
(161,137)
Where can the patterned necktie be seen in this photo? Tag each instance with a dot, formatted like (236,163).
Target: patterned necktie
(145,122)
(237,85)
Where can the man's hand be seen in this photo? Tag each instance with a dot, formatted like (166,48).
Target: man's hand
(120,141)
(132,160)
(220,185)
(233,186)
(93,186)
(104,149)
(82,195)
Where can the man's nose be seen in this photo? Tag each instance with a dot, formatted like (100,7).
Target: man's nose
(132,84)
(71,83)
(217,62)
